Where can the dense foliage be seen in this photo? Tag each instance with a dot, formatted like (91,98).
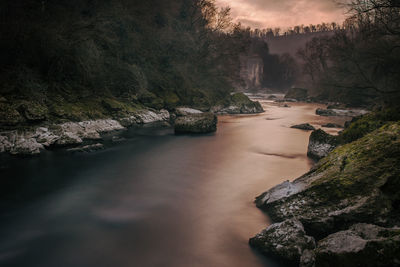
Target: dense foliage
(360,64)
(61,56)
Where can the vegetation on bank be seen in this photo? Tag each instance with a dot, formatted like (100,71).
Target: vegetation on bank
(76,60)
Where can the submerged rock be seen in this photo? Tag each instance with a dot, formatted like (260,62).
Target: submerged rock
(87,148)
(286,241)
(320,144)
(304,126)
(196,123)
(361,245)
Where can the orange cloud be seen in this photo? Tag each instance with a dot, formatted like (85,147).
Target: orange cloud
(283,13)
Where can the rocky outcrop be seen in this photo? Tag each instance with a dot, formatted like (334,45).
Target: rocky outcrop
(320,144)
(341,112)
(196,123)
(239,104)
(361,245)
(87,148)
(304,126)
(286,241)
(299,94)
(356,183)
(32,141)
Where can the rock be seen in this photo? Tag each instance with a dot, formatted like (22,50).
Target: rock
(44,136)
(361,245)
(320,144)
(332,125)
(239,104)
(299,94)
(69,138)
(355,183)
(5,144)
(304,126)
(146,116)
(183,111)
(286,241)
(196,123)
(272,97)
(87,148)
(340,112)
(307,258)
(26,147)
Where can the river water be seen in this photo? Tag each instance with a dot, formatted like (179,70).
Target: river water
(157,199)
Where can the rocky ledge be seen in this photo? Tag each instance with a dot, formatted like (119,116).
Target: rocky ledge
(33,141)
(349,203)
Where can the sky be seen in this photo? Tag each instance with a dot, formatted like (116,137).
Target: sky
(283,13)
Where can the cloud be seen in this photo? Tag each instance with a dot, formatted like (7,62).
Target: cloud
(283,13)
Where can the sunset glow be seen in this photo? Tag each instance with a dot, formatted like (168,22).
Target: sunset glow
(283,13)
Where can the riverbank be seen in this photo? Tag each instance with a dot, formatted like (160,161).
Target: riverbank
(344,211)
(22,139)
(156,197)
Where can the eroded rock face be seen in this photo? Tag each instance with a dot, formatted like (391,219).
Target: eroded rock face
(320,144)
(361,245)
(286,241)
(196,123)
(299,94)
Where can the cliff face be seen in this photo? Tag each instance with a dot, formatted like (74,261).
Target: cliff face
(252,71)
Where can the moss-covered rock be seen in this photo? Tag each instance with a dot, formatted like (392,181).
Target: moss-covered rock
(356,183)
(347,186)
(196,123)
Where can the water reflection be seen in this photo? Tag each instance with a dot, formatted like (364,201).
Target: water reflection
(158,199)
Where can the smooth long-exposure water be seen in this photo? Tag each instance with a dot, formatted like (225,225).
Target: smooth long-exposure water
(157,199)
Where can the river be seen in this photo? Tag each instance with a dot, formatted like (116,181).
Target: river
(156,199)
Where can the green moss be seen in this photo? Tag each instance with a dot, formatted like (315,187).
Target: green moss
(365,124)
(358,167)
(240,99)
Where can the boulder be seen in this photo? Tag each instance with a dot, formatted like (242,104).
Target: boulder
(239,103)
(320,144)
(355,183)
(196,123)
(304,126)
(361,245)
(26,147)
(285,241)
(299,94)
